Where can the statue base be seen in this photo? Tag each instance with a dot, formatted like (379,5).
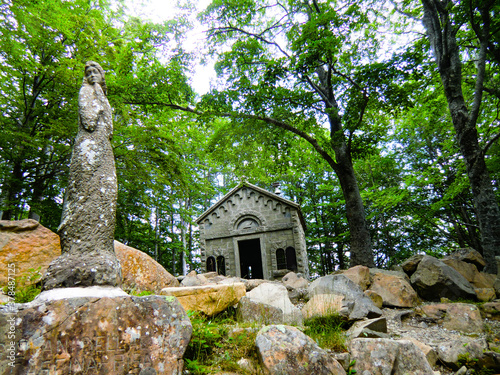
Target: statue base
(81,270)
(92,335)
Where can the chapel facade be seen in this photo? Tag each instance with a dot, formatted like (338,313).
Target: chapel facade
(254,234)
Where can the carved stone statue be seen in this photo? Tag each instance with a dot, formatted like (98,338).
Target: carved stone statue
(88,219)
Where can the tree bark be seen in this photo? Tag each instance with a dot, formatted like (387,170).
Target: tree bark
(11,189)
(442,36)
(361,244)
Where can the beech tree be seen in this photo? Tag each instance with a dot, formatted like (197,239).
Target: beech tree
(451,46)
(309,68)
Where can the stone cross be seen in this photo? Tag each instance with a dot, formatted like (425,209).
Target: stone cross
(88,219)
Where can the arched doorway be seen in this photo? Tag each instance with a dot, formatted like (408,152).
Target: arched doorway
(280,259)
(221,265)
(211,267)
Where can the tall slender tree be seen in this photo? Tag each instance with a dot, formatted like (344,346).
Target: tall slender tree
(443,20)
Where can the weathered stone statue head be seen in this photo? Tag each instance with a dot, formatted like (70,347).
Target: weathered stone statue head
(95,74)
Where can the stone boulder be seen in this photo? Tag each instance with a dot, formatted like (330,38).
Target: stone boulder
(461,317)
(394,288)
(28,245)
(294,281)
(434,280)
(370,328)
(491,310)
(208,299)
(286,350)
(388,357)
(253,283)
(410,265)
(249,311)
(375,297)
(433,313)
(469,270)
(469,255)
(114,336)
(297,296)
(484,280)
(485,294)
(276,295)
(449,351)
(355,304)
(428,351)
(360,275)
(141,272)
(193,279)
(296,286)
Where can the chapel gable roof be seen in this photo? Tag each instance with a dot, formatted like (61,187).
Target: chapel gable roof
(246,184)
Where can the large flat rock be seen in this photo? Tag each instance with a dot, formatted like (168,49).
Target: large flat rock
(91,335)
(208,299)
(388,357)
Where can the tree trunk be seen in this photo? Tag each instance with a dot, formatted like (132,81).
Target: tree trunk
(442,36)
(157,234)
(361,244)
(10,190)
(172,234)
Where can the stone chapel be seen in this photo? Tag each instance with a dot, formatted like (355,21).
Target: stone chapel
(254,234)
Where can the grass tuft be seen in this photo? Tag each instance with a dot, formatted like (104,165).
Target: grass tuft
(328,331)
(218,343)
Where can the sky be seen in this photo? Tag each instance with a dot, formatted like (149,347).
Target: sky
(163,10)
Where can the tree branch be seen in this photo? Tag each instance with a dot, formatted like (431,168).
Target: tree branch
(402,12)
(490,143)
(268,120)
(494,92)
(481,69)
(226,29)
(433,26)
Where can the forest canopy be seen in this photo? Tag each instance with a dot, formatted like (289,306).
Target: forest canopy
(380,118)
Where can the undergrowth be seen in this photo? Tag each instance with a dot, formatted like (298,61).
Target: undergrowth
(473,366)
(218,343)
(26,286)
(141,294)
(328,331)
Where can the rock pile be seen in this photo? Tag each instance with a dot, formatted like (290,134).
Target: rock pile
(413,320)
(403,322)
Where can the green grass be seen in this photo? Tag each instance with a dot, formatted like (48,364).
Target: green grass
(26,286)
(218,343)
(141,294)
(328,331)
